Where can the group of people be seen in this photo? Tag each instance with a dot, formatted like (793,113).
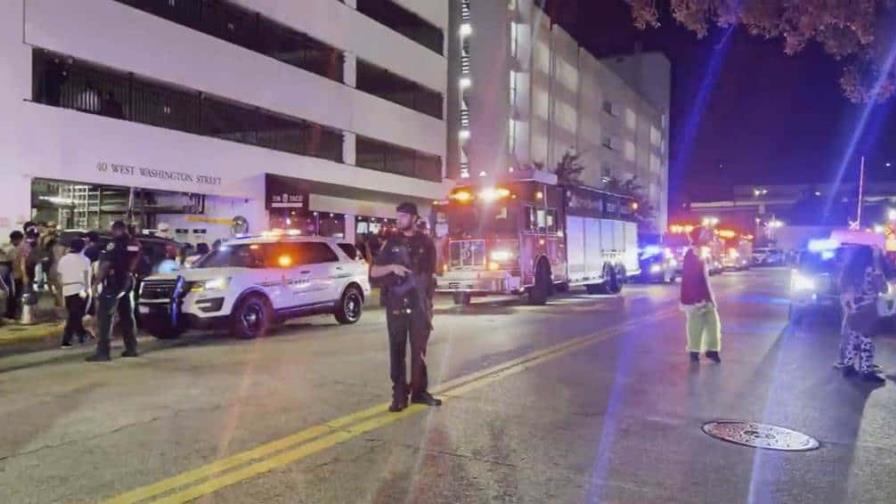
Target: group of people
(861,283)
(30,263)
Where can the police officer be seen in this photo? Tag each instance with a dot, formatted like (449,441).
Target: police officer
(116,276)
(404,271)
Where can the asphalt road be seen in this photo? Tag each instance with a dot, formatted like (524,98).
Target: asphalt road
(588,399)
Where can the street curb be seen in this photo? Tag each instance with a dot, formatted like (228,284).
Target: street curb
(16,334)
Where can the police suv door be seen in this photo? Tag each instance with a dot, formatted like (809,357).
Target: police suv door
(326,271)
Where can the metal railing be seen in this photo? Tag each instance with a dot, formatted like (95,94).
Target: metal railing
(228,21)
(61,81)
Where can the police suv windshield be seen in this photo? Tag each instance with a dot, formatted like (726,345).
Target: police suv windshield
(234,256)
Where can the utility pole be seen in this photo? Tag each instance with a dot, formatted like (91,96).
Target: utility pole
(861,192)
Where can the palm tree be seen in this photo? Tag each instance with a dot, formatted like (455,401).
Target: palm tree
(569,169)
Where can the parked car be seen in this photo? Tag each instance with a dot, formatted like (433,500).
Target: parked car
(251,283)
(767,256)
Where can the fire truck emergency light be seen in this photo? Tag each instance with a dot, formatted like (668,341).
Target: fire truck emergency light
(494,193)
(462,196)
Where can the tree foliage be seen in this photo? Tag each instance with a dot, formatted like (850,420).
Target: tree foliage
(856,32)
(633,189)
(569,169)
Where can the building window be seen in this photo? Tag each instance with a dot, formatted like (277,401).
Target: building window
(385,157)
(631,119)
(611,142)
(514,40)
(656,138)
(389,86)
(62,81)
(629,150)
(511,135)
(248,29)
(513,91)
(611,108)
(405,22)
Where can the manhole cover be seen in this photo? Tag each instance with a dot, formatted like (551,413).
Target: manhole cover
(757,435)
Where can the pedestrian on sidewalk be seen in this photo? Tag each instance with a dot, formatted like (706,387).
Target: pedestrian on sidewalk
(698,302)
(860,286)
(116,279)
(15,277)
(404,269)
(73,273)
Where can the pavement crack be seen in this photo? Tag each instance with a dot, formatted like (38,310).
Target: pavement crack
(79,440)
(454,454)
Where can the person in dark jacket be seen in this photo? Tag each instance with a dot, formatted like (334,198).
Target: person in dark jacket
(698,302)
(116,276)
(403,270)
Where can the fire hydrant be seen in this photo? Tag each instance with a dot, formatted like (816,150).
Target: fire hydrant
(29,302)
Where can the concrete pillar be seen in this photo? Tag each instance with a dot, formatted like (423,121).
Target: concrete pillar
(350,70)
(348,148)
(15,88)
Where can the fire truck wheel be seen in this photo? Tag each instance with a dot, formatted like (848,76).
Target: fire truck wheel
(615,283)
(462,298)
(538,293)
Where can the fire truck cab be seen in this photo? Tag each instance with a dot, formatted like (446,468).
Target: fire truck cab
(529,235)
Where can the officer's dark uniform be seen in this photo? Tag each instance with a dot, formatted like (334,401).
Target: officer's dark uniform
(408,310)
(122,256)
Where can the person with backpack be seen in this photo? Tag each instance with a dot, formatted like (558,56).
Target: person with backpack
(116,279)
(861,283)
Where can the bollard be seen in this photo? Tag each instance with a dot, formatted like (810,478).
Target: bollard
(29,301)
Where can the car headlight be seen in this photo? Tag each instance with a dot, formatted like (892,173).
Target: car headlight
(501,255)
(213,284)
(800,282)
(656,268)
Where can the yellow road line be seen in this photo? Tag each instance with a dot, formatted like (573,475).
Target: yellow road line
(319,437)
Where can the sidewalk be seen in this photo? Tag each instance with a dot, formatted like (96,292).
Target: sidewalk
(12,333)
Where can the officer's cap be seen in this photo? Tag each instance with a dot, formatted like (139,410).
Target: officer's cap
(407,208)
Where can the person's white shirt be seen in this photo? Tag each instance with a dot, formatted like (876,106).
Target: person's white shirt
(74,273)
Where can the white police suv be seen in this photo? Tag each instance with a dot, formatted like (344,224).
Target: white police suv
(251,283)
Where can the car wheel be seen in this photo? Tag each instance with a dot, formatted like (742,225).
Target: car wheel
(251,318)
(350,306)
(461,298)
(538,293)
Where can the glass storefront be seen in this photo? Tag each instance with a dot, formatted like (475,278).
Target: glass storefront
(327,224)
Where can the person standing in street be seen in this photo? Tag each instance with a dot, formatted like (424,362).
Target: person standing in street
(74,277)
(116,277)
(404,269)
(860,285)
(697,301)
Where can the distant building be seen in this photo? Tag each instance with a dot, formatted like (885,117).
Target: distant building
(524,91)
(803,210)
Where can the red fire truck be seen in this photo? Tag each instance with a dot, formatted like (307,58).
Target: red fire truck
(529,235)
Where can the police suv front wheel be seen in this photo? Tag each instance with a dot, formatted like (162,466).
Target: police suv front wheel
(350,306)
(251,318)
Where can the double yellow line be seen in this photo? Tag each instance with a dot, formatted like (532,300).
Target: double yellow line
(242,466)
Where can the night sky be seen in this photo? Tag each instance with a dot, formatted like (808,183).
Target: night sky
(769,118)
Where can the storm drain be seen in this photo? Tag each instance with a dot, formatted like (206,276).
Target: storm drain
(764,436)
